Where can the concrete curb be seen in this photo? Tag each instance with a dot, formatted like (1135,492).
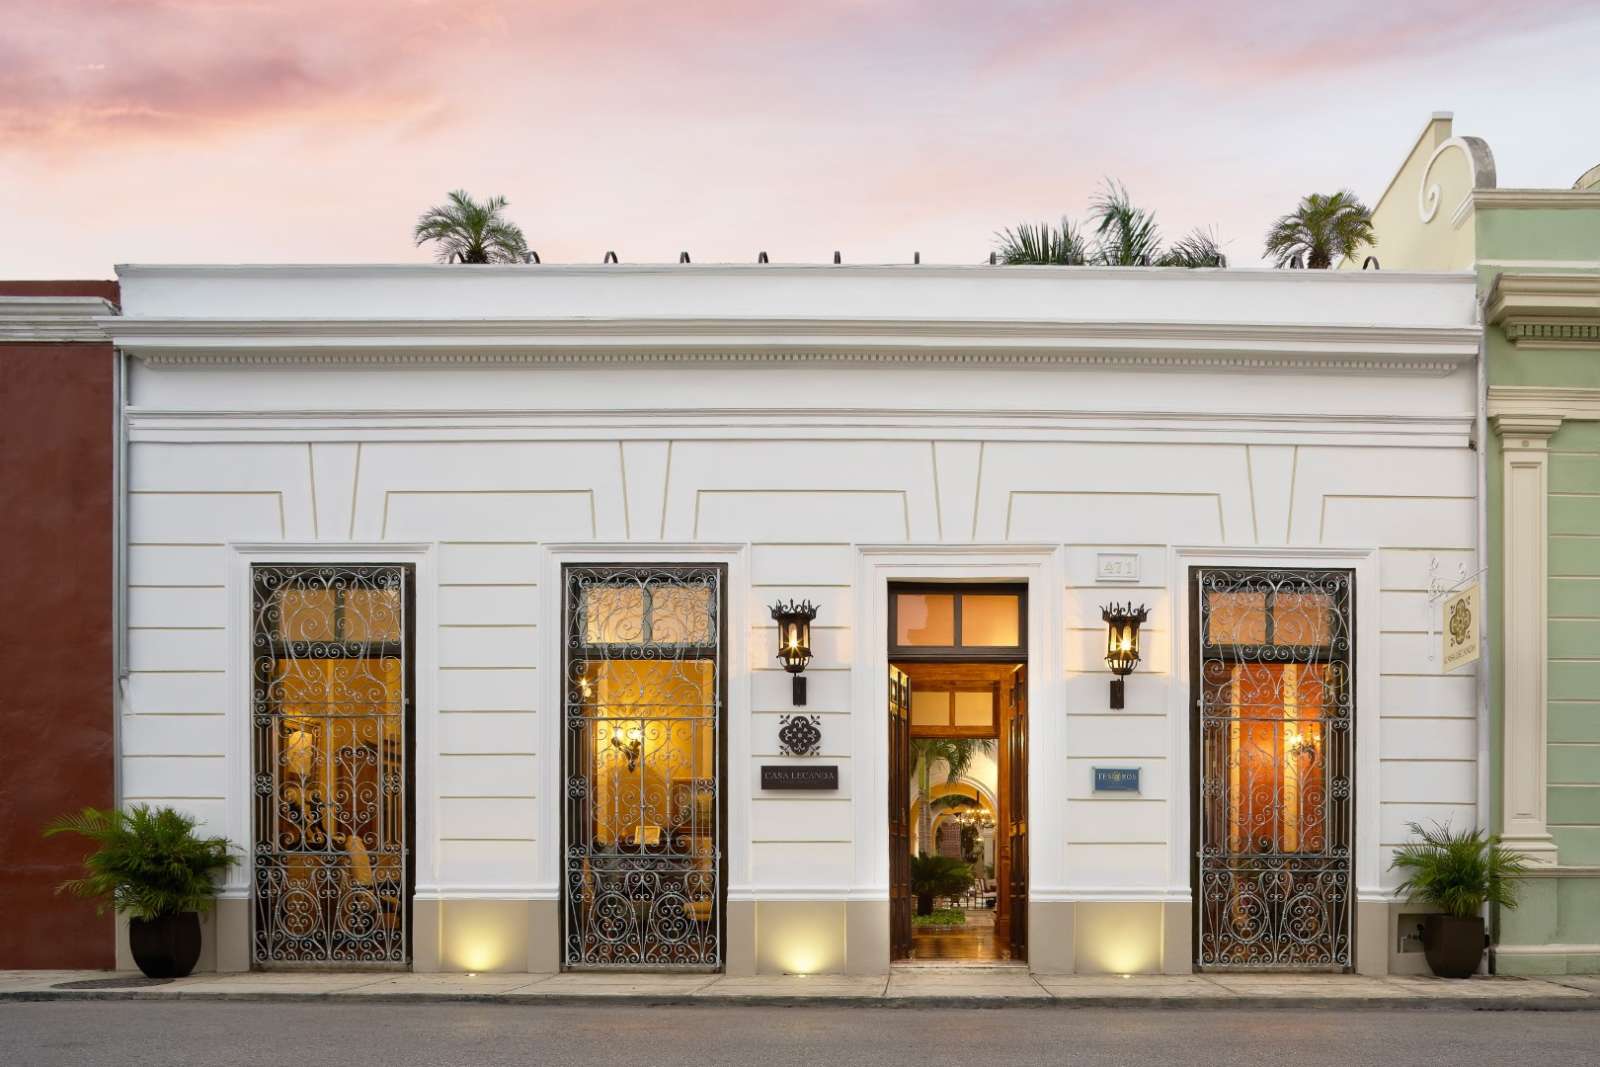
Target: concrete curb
(682,1000)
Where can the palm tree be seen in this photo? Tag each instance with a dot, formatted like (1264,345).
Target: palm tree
(471,232)
(1043,244)
(1321,231)
(956,753)
(1125,235)
(1199,249)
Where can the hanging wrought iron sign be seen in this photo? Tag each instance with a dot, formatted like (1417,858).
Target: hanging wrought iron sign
(799,735)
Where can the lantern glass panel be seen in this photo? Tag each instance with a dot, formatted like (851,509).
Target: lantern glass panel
(990,620)
(927,619)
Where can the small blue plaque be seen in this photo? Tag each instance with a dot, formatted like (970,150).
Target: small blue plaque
(1116,779)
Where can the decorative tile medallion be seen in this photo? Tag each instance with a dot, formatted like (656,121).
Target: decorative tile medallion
(799,735)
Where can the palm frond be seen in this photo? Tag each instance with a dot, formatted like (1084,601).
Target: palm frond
(1457,872)
(1321,231)
(1125,235)
(148,861)
(466,231)
(1200,248)
(1042,244)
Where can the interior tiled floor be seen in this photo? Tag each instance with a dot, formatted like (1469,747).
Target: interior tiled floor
(973,941)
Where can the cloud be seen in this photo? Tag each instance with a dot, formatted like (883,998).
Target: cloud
(84,71)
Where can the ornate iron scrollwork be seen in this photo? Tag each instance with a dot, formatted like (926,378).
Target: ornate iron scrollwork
(1276,775)
(642,740)
(329,691)
(799,735)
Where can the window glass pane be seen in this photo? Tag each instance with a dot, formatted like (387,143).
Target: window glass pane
(371,615)
(613,615)
(681,615)
(975,708)
(1236,618)
(653,746)
(306,614)
(1301,619)
(925,619)
(930,708)
(989,620)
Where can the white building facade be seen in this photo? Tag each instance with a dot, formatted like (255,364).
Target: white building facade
(447,596)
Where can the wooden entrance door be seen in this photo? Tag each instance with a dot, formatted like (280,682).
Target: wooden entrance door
(1011,837)
(899,815)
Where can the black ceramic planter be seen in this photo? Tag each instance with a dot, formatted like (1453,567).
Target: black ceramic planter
(1453,947)
(167,947)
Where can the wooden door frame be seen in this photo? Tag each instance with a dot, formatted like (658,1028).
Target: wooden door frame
(1042,568)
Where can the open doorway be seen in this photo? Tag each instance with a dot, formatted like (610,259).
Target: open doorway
(958,772)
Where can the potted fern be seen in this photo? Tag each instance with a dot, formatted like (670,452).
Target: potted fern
(1457,873)
(937,876)
(150,865)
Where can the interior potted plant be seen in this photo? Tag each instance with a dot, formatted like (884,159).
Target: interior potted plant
(1457,873)
(150,865)
(937,876)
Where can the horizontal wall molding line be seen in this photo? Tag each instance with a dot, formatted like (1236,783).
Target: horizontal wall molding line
(1222,428)
(485,892)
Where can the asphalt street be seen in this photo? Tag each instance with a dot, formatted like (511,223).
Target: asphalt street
(132,1034)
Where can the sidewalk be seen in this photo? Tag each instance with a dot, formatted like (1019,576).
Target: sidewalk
(921,988)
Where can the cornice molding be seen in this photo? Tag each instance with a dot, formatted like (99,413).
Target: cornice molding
(54,319)
(1559,199)
(456,272)
(1524,410)
(151,424)
(1546,310)
(1429,350)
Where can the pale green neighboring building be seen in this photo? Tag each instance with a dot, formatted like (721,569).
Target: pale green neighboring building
(1536,253)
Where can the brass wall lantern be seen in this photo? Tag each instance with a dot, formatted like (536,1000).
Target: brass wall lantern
(794,641)
(1122,644)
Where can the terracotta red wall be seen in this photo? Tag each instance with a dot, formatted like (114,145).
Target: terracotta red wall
(56,727)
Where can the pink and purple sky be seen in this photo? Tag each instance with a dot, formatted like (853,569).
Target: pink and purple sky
(317,130)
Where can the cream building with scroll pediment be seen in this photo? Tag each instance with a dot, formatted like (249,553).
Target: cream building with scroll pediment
(1536,255)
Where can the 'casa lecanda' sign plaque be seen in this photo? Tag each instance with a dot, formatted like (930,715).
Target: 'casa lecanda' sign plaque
(804,776)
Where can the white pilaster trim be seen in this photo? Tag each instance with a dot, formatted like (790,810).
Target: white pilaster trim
(1524,504)
(424,659)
